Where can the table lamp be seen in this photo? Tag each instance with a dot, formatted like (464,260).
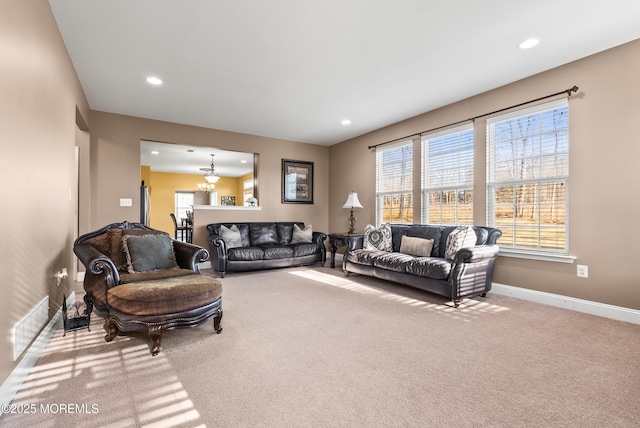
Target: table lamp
(352,202)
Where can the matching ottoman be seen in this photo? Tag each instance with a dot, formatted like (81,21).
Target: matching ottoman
(164,304)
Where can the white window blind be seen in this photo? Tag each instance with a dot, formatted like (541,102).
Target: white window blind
(527,175)
(183,202)
(447,177)
(394,183)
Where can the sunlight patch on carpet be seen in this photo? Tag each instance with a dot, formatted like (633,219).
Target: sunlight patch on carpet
(467,307)
(170,415)
(83,361)
(335,281)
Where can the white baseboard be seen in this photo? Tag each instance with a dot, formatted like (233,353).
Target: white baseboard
(586,306)
(13,383)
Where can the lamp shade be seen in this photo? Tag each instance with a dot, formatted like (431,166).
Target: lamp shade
(352,201)
(211,178)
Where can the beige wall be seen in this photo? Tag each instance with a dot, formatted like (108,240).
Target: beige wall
(115,171)
(603,183)
(42,102)
(38,134)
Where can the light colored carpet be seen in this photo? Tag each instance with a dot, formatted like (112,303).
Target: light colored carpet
(307,347)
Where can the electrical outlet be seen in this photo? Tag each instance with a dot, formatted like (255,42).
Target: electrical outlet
(125,202)
(583,271)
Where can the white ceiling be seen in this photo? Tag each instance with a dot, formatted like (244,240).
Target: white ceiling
(293,69)
(190,160)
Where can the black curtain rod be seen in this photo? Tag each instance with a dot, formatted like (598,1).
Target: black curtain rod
(471,119)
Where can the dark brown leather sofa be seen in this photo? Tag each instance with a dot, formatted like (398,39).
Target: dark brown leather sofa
(263,245)
(469,273)
(140,279)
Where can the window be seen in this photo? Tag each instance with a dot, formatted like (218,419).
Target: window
(394,183)
(527,173)
(447,177)
(247,190)
(184,203)
(213,198)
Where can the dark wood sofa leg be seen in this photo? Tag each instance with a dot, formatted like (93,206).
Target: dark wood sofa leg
(155,332)
(112,329)
(216,322)
(88,303)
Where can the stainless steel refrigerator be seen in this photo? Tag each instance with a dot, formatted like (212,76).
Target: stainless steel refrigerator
(144,204)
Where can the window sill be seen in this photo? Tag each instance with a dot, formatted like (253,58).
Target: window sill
(531,255)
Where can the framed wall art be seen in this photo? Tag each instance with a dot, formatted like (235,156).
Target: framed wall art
(297,182)
(228,200)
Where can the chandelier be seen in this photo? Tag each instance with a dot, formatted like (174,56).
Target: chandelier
(210,173)
(206,187)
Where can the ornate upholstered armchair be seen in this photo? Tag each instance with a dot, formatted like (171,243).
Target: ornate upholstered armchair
(142,280)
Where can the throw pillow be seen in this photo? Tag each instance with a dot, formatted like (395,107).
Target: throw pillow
(117,246)
(461,237)
(117,253)
(263,234)
(285,231)
(148,252)
(418,247)
(101,243)
(231,236)
(300,236)
(378,238)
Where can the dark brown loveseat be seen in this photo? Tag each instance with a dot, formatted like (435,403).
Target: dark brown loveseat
(142,280)
(264,245)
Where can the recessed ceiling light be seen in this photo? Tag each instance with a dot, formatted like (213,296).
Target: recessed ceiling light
(243,161)
(346,122)
(154,80)
(529,43)
(155,152)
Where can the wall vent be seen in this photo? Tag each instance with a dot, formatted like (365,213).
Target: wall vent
(29,327)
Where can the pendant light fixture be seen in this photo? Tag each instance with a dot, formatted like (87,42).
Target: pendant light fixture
(210,173)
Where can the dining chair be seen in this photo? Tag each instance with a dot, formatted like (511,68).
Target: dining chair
(184,230)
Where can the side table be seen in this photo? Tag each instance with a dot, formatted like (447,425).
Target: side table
(337,240)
